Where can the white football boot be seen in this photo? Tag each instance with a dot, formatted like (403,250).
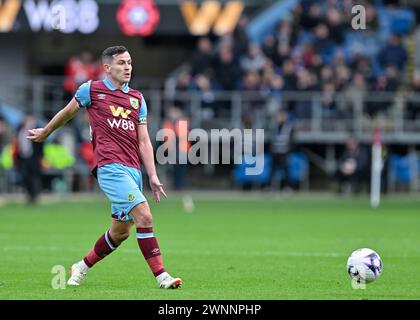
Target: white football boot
(165,281)
(77,274)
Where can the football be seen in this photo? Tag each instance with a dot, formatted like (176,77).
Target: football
(364,265)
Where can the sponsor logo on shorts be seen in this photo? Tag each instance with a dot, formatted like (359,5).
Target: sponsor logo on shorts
(131,197)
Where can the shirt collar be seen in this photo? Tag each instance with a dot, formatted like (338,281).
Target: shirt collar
(111,86)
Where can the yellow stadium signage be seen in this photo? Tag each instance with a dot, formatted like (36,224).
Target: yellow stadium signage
(63,16)
(211,14)
(9,10)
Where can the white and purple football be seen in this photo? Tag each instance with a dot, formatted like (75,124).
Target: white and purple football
(364,265)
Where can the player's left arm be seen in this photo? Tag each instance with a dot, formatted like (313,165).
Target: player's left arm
(147,154)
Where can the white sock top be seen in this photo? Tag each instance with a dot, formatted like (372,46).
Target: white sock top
(82,265)
(162,276)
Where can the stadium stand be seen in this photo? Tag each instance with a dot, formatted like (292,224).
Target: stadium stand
(299,56)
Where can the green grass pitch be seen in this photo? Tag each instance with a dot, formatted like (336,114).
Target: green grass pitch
(249,247)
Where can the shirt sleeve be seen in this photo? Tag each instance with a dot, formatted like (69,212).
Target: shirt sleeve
(82,95)
(143,112)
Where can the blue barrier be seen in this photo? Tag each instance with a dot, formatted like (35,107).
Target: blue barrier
(297,164)
(400,168)
(240,176)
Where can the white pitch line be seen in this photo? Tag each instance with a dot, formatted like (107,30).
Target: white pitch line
(185,252)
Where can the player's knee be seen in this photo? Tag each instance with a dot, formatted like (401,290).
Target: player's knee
(120,236)
(146,219)
(124,236)
(142,216)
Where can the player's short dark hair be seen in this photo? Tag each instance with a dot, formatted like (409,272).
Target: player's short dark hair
(108,53)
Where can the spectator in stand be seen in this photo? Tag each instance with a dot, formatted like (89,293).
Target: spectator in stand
(306,80)
(269,47)
(308,55)
(317,64)
(330,4)
(183,85)
(380,86)
(254,60)
(240,36)
(285,33)
(314,84)
(272,88)
(272,83)
(353,168)
(208,98)
(281,54)
(322,41)
(226,69)
(252,84)
(85,150)
(362,65)
(28,159)
(354,92)
(393,54)
(387,84)
(281,145)
(79,69)
(346,10)
(227,41)
(6,152)
(413,104)
(84,137)
(336,26)
(393,79)
(311,17)
(269,68)
(202,58)
(339,59)
(328,100)
(303,107)
(289,76)
(342,77)
(6,133)
(181,144)
(296,19)
(372,22)
(290,82)
(326,74)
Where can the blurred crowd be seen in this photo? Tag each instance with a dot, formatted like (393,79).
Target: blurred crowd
(314,49)
(79,69)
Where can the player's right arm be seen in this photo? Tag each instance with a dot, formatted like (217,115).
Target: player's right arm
(81,99)
(60,119)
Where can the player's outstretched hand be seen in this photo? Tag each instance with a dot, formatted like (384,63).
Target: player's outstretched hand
(157,188)
(37,135)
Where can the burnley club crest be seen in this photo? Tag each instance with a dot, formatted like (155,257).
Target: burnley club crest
(134,103)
